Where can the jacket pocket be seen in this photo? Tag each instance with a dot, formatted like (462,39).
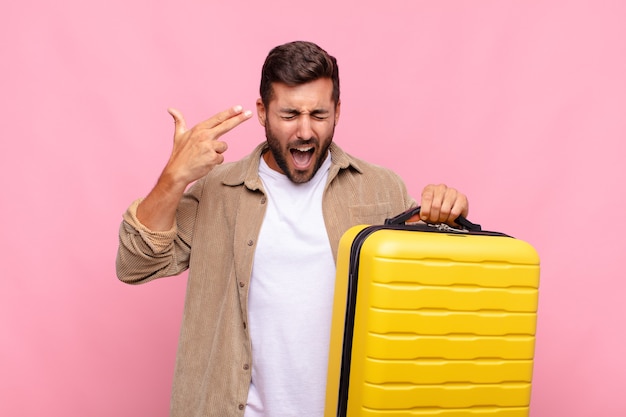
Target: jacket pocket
(370,213)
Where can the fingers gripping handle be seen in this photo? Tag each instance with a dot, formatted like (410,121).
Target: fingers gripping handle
(403,217)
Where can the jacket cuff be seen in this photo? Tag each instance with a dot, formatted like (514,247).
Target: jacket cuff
(158,241)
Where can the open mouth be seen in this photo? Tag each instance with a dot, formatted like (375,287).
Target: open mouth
(302,156)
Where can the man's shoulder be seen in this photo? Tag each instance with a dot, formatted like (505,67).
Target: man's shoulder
(365,168)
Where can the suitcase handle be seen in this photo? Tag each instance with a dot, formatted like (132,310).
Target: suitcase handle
(403,217)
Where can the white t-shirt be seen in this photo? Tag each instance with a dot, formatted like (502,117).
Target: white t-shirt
(290,300)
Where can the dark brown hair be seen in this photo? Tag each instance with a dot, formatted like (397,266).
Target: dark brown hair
(297,63)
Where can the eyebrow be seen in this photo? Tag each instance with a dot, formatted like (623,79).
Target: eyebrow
(297,112)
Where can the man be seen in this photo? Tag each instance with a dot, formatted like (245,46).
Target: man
(260,237)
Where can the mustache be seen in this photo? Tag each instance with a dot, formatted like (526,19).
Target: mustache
(304,142)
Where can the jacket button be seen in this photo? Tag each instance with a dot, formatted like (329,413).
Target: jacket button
(241,406)
(246,367)
(241,284)
(263,200)
(250,243)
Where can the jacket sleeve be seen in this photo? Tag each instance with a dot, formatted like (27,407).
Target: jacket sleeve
(144,255)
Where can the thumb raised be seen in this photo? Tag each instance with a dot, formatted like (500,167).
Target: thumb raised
(179,121)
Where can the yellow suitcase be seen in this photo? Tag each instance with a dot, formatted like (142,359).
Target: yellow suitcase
(432,322)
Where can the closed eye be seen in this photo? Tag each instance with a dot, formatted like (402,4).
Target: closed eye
(293,114)
(320,115)
(289,114)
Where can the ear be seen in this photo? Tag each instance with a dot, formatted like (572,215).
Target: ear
(337,111)
(261,112)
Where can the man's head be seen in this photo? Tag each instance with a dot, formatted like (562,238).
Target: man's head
(299,108)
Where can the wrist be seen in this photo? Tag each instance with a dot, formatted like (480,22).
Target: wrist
(169,183)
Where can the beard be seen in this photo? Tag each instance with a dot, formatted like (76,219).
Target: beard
(281,154)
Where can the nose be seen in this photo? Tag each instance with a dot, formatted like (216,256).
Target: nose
(304,128)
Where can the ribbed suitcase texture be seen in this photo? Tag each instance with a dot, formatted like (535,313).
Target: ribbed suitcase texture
(443,324)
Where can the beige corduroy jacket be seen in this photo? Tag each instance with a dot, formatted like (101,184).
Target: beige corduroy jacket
(218,222)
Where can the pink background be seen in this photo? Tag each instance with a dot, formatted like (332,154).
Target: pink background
(520,104)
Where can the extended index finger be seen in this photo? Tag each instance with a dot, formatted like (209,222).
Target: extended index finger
(226,120)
